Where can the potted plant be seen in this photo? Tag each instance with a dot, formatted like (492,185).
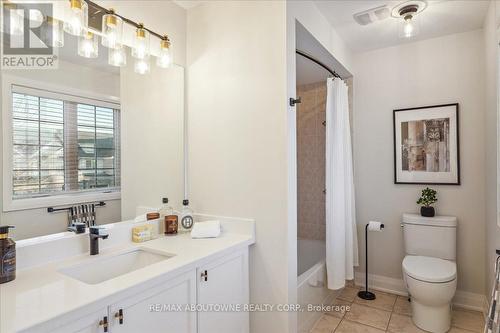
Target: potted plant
(427,199)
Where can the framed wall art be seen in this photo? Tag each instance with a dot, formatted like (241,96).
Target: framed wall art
(426,145)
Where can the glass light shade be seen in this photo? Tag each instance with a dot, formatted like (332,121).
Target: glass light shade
(76,22)
(112,30)
(409,27)
(16,21)
(141,44)
(164,59)
(55,28)
(117,57)
(142,66)
(88,45)
(36,18)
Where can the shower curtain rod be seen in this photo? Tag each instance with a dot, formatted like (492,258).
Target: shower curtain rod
(305,55)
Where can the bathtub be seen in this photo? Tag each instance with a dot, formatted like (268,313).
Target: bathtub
(311,280)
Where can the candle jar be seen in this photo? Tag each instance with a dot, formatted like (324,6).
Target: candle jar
(171,224)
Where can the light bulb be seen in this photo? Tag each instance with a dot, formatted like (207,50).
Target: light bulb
(16,21)
(112,29)
(141,43)
(87,45)
(55,29)
(409,27)
(164,59)
(142,66)
(76,21)
(117,57)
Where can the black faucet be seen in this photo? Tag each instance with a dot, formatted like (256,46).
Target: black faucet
(94,235)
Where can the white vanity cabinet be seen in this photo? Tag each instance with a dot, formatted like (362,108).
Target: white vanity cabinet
(221,282)
(224,283)
(153,310)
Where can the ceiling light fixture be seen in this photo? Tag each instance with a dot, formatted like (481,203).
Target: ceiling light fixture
(407,12)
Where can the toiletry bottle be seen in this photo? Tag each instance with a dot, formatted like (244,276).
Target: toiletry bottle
(7,255)
(165,211)
(186,220)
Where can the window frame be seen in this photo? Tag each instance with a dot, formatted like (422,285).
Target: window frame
(12,84)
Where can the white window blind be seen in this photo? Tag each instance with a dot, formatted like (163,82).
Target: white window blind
(63,144)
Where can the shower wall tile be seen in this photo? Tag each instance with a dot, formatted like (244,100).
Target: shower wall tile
(311,161)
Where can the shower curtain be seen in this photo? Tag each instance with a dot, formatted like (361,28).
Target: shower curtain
(341,236)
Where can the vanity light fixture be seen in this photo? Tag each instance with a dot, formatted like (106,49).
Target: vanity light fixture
(76,22)
(16,17)
(112,30)
(88,45)
(117,57)
(164,59)
(56,29)
(141,43)
(142,66)
(407,13)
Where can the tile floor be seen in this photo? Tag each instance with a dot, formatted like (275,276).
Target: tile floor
(387,313)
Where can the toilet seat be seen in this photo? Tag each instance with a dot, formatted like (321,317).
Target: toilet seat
(429,269)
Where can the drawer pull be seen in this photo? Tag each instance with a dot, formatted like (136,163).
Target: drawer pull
(104,324)
(119,315)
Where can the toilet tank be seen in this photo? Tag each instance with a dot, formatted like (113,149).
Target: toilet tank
(430,236)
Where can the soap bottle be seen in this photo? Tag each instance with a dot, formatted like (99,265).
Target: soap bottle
(7,255)
(186,219)
(165,211)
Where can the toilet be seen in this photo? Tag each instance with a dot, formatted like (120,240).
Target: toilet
(429,269)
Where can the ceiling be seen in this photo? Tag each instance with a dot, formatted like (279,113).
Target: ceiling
(441,17)
(188,4)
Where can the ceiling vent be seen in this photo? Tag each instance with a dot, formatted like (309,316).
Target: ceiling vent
(371,15)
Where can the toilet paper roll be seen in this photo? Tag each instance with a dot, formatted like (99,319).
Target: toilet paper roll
(375,226)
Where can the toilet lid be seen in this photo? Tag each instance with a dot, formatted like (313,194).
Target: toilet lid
(430,269)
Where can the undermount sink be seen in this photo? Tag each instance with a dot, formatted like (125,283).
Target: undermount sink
(109,267)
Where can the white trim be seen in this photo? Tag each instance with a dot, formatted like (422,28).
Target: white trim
(45,89)
(31,90)
(463,299)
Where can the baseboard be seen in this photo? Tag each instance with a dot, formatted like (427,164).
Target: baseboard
(463,299)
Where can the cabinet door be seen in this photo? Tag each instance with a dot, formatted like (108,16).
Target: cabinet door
(154,311)
(223,282)
(94,323)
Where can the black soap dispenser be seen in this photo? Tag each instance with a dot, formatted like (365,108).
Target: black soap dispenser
(7,255)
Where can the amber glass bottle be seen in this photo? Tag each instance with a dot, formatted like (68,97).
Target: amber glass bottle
(7,255)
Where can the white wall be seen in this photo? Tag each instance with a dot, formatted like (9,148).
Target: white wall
(36,222)
(491,70)
(237,134)
(313,20)
(436,71)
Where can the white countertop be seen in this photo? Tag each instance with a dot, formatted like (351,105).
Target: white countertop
(39,294)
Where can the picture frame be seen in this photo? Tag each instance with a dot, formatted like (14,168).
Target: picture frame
(427,145)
